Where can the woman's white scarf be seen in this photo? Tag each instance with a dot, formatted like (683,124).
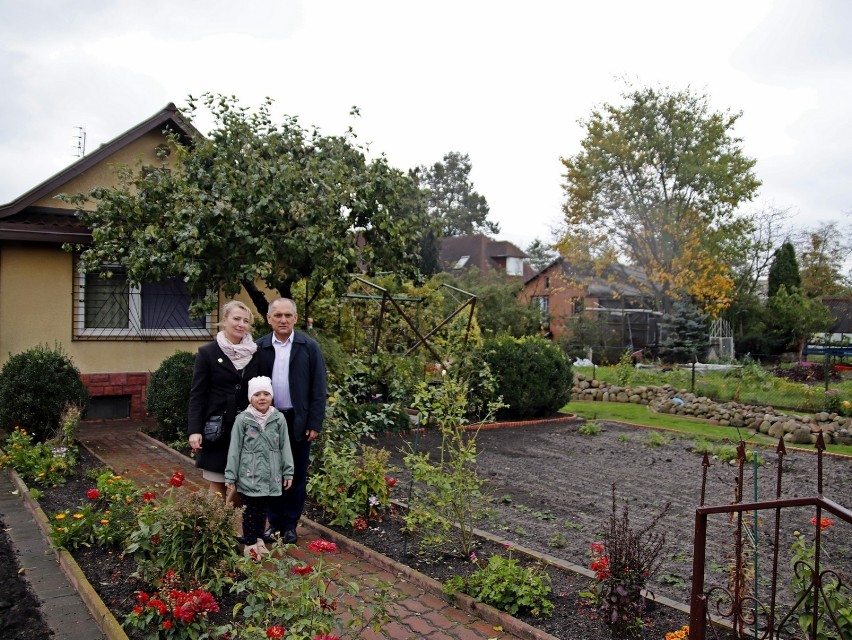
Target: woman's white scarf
(260,417)
(240,354)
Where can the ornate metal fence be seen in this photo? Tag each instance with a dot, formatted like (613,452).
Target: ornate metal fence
(814,613)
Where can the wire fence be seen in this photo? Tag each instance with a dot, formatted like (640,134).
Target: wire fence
(822,384)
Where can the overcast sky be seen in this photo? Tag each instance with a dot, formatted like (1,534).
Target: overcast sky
(505,82)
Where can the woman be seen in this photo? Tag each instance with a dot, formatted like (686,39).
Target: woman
(220,379)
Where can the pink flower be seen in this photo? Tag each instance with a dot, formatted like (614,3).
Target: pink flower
(93,494)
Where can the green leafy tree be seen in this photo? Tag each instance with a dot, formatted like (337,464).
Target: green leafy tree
(256,201)
(658,180)
(823,251)
(793,317)
(784,270)
(686,333)
(456,209)
(498,309)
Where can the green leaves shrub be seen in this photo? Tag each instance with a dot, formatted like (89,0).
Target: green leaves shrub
(36,386)
(167,399)
(188,532)
(352,486)
(37,462)
(533,375)
(505,584)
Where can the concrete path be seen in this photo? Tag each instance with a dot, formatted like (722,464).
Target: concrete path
(420,611)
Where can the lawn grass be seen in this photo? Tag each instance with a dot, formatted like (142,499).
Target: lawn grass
(691,427)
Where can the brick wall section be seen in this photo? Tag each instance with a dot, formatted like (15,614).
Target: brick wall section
(133,384)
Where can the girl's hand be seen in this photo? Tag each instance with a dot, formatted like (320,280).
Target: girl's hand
(195,441)
(286,484)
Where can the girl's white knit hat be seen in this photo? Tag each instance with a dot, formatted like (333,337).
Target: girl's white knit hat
(260,383)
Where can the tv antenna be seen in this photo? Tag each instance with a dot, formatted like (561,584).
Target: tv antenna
(80,145)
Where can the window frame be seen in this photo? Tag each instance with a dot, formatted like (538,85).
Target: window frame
(133,331)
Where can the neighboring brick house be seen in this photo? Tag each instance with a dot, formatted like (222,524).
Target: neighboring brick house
(562,290)
(460,253)
(115,333)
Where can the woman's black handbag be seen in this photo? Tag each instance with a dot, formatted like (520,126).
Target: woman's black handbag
(213,428)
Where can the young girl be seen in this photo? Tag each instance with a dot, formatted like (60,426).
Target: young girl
(259,463)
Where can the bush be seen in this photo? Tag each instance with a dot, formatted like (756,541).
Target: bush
(36,386)
(167,399)
(533,375)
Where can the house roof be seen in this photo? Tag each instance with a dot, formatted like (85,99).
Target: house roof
(617,281)
(481,252)
(20,220)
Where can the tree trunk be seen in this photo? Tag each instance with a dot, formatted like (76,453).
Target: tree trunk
(257,297)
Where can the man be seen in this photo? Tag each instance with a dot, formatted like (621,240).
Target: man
(295,364)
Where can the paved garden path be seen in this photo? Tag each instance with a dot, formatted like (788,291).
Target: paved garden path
(417,612)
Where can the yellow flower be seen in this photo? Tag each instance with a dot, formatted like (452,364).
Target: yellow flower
(128,499)
(63,529)
(77,516)
(104,521)
(116,477)
(60,516)
(41,475)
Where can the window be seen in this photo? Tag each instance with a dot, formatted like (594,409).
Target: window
(542,303)
(461,262)
(108,308)
(514,266)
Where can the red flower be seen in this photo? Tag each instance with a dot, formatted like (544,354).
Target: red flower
(390,481)
(167,624)
(824,523)
(142,597)
(275,632)
(137,610)
(303,571)
(340,489)
(322,546)
(148,496)
(155,539)
(177,479)
(360,524)
(597,548)
(93,494)
(328,605)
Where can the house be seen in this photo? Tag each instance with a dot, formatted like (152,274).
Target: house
(563,290)
(460,253)
(116,334)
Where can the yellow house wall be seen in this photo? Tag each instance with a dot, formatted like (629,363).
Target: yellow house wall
(36,307)
(142,151)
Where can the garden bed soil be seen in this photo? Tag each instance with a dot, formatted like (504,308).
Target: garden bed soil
(20,611)
(551,491)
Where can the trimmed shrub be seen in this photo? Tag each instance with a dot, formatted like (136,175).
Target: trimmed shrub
(36,386)
(533,375)
(167,399)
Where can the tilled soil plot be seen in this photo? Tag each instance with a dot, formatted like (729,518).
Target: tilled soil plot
(551,490)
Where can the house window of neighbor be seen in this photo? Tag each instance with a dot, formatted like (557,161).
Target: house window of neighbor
(109,308)
(515,266)
(543,303)
(461,262)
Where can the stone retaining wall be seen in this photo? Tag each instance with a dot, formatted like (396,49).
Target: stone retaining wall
(795,429)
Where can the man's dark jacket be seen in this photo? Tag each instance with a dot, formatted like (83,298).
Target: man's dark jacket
(307,381)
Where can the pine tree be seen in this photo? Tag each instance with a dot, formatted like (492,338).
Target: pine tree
(784,270)
(686,333)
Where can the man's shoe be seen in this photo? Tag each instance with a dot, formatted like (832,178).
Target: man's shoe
(289,536)
(269,535)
